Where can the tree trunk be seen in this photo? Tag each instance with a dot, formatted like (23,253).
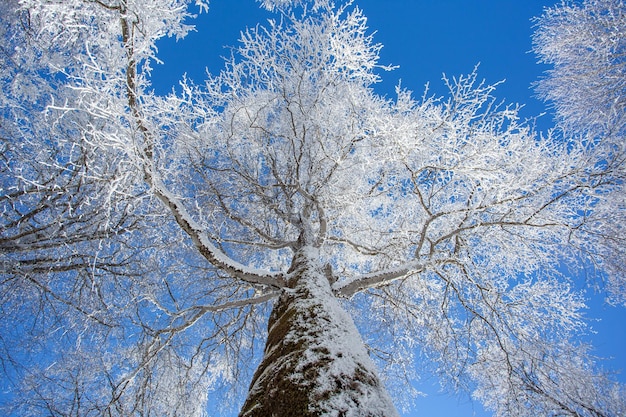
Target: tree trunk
(315,363)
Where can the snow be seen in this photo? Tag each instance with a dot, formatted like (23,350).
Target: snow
(346,381)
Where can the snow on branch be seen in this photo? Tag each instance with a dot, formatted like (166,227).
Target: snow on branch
(376,279)
(209,251)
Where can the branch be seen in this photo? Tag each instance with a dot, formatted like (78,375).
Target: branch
(376,279)
(200,238)
(201,310)
(209,251)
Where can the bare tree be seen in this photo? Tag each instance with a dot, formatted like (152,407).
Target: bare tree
(144,250)
(585,43)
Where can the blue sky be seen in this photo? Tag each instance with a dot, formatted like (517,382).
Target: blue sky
(425,38)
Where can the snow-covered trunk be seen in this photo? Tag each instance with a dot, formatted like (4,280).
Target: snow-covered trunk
(315,363)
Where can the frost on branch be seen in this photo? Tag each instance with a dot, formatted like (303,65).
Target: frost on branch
(150,235)
(584,42)
(272,4)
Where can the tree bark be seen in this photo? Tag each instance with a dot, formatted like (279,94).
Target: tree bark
(315,363)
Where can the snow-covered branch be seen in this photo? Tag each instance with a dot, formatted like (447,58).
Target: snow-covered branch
(137,226)
(376,279)
(216,257)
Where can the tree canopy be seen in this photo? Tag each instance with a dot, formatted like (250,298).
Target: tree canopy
(145,239)
(585,44)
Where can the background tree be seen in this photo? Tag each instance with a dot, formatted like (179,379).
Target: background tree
(585,44)
(143,251)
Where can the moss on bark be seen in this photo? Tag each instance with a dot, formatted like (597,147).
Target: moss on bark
(305,371)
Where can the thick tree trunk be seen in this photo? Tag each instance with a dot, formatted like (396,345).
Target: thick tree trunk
(315,363)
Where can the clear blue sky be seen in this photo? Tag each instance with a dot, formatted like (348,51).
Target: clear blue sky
(425,38)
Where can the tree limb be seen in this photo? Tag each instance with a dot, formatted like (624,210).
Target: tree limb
(376,279)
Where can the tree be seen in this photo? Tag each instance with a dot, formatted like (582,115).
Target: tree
(585,44)
(149,242)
